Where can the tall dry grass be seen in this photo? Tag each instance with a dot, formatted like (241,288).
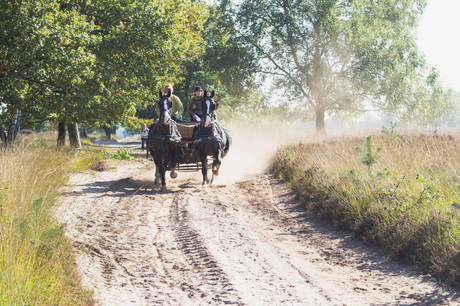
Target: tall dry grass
(37,263)
(399,191)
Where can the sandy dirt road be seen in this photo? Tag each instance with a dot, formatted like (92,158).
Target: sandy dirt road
(244,241)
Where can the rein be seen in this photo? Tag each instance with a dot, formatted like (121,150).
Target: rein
(184,125)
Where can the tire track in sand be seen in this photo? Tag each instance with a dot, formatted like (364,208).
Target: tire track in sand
(211,283)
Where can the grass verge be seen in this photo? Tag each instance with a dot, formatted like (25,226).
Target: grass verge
(37,262)
(399,191)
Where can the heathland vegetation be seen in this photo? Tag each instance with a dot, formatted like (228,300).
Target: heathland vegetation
(37,261)
(397,190)
(400,191)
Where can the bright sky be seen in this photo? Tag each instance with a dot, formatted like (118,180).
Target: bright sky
(439,39)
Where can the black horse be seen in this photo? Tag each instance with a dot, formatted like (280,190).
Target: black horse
(211,138)
(163,140)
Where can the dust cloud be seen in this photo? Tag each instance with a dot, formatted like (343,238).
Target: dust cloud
(253,147)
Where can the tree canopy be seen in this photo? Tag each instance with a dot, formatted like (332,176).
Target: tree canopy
(45,58)
(90,61)
(227,66)
(344,56)
(98,61)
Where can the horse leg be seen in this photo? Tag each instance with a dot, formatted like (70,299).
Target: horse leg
(204,167)
(157,170)
(173,173)
(162,173)
(216,163)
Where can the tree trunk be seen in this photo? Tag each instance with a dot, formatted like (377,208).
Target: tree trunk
(84,132)
(320,126)
(74,136)
(14,127)
(108,130)
(61,134)
(2,133)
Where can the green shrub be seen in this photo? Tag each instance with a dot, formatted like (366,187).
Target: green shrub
(122,154)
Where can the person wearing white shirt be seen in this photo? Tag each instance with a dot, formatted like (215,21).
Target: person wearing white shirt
(144,135)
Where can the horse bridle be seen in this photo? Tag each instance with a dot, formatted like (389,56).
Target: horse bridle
(165,106)
(210,108)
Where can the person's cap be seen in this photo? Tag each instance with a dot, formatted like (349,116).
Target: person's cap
(198,88)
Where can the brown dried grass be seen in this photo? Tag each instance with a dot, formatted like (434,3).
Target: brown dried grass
(408,202)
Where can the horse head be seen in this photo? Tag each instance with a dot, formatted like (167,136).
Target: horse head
(165,105)
(208,106)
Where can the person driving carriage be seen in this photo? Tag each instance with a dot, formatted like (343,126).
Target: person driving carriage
(194,105)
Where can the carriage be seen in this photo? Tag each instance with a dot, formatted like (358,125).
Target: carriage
(186,146)
(188,159)
(187,154)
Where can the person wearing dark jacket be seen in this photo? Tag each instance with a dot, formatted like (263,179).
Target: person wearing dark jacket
(194,105)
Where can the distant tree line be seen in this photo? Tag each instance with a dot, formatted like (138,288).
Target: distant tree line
(97,63)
